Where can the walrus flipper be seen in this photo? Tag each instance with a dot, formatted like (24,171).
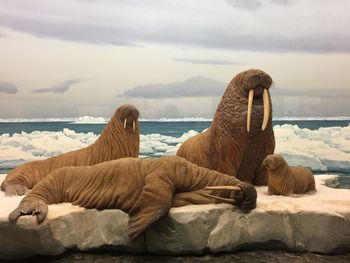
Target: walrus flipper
(153,203)
(35,207)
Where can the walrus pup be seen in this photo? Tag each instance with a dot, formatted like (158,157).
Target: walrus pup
(286,180)
(144,188)
(241,134)
(120,138)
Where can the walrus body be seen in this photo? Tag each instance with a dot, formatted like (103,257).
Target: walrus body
(119,139)
(144,188)
(233,145)
(286,180)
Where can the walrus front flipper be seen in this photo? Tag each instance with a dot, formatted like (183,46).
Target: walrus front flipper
(154,203)
(36,208)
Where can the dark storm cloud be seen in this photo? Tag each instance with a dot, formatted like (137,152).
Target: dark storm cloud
(277,26)
(193,87)
(207,61)
(58,88)
(7,87)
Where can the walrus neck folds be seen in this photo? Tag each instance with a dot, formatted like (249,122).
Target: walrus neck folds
(110,141)
(280,173)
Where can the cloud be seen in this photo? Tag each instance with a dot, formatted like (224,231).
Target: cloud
(61,87)
(246,4)
(272,28)
(312,93)
(282,2)
(192,87)
(256,4)
(7,87)
(207,61)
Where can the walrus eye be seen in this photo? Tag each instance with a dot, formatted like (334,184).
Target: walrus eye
(266,109)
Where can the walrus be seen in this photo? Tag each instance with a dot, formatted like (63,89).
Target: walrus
(120,138)
(143,188)
(241,134)
(286,180)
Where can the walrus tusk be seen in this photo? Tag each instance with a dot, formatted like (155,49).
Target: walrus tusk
(133,126)
(124,123)
(228,200)
(250,104)
(266,109)
(224,187)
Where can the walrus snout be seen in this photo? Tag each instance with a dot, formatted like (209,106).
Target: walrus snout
(128,116)
(272,161)
(257,84)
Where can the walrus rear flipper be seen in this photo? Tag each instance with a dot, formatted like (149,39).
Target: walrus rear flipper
(154,203)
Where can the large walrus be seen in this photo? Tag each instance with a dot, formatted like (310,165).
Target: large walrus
(144,188)
(120,138)
(241,134)
(286,180)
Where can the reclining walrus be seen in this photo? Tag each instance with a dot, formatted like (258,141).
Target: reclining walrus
(144,188)
(286,180)
(120,138)
(241,134)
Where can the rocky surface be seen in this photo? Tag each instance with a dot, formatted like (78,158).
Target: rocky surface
(316,223)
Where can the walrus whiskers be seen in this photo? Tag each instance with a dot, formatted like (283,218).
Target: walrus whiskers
(266,109)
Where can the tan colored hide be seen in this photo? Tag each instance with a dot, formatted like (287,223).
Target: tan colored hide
(144,188)
(286,180)
(120,138)
(241,134)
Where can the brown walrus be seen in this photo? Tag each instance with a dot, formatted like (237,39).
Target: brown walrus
(144,188)
(286,180)
(234,144)
(120,138)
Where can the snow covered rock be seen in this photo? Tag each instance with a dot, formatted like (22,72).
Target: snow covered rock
(317,223)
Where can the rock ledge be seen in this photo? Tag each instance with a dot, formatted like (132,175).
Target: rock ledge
(316,223)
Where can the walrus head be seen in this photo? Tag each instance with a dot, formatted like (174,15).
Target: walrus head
(254,84)
(273,161)
(127,116)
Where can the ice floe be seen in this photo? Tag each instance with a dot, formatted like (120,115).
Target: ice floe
(325,149)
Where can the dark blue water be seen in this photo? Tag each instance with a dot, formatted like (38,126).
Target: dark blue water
(175,129)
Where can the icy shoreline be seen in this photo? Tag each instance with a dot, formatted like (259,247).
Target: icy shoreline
(325,149)
(316,223)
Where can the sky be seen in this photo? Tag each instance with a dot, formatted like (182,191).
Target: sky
(171,59)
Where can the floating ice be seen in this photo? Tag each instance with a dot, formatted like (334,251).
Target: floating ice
(323,149)
(89,120)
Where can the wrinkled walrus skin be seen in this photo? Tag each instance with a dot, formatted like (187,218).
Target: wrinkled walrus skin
(287,180)
(227,146)
(143,188)
(120,138)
